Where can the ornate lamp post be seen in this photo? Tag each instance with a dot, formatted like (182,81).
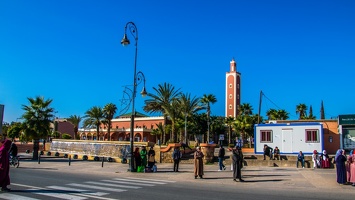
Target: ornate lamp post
(137,78)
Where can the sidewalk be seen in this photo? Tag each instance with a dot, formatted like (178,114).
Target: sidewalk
(280,178)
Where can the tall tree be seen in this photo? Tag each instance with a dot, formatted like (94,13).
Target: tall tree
(322,115)
(165,93)
(310,114)
(246,109)
(242,124)
(229,121)
(109,112)
(208,99)
(301,110)
(93,118)
(189,105)
(282,114)
(271,114)
(37,120)
(75,120)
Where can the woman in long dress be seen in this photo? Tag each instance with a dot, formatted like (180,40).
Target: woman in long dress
(198,160)
(325,160)
(237,164)
(351,162)
(4,165)
(340,160)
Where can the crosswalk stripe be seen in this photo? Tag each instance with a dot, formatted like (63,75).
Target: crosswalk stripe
(85,195)
(97,187)
(113,185)
(57,194)
(14,196)
(74,190)
(140,181)
(152,180)
(129,183)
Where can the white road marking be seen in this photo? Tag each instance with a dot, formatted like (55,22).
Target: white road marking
(151,179)
(97,187)
(140,181)
(129,183)
(113,185)
(14,196)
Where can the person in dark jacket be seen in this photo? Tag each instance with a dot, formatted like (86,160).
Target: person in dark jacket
(300,158)
(221,154)
(237,164)
(267,151)
(176,157)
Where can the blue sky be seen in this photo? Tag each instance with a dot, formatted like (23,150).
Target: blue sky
(69,51)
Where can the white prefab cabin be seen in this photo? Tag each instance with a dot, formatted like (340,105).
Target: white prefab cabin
(290,138)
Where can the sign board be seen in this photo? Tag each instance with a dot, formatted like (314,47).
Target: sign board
(1,116)
(346,119)
(221,136)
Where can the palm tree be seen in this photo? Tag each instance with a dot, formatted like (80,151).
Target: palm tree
(189,105)
(161,100)
(94,117)
(242,124)
(246,109)
(37,120)
(75,120)
(229,121)
(301,109)
(271,114)
(282,114)
(109,112)
(207,100)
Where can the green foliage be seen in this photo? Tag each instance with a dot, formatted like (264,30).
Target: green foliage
(66,136)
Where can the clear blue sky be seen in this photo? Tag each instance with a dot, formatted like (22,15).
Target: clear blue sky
(69,51)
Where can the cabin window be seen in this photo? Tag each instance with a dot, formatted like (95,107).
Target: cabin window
(266,136)
(312,136)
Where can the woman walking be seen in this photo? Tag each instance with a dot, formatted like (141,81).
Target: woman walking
(5,166)
(198,160)
(340,165)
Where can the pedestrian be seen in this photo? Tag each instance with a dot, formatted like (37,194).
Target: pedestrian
(198,161)
(325,160)
(315,159)
(351,160)
(237,164)
(267,151)
(221,154)
(176,157)
(143,154)
(4,165)
(340,166)
(151,157)
(300,158)
(276,153)
(239,143)
(137,159)
(13,149)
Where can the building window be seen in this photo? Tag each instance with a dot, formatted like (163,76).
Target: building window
(266,136)
(230,96)
(230,85)
(230,106)
(312,136)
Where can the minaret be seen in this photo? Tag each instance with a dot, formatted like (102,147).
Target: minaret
(232,90)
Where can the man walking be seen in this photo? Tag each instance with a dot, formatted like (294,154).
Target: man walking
(176,157)
(237,164)
(221,154)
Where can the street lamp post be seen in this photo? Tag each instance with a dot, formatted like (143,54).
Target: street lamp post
(136,77)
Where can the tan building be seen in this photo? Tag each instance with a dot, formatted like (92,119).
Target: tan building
(120,130)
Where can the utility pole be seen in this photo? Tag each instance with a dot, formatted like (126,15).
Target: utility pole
(261,95)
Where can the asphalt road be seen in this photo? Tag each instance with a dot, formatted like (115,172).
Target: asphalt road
(55,179)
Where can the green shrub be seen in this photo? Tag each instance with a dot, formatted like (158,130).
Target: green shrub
(66,136)
(75,156)
(49,153)
(85,157)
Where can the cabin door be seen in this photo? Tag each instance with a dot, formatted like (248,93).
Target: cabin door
(287,141)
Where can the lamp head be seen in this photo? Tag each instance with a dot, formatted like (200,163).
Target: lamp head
(125,40)
(144,92)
